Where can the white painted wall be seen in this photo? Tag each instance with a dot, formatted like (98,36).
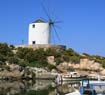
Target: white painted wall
(40,34)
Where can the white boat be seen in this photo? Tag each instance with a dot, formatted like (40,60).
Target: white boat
(93,87)
(98,82)
(72,76)
(96,76)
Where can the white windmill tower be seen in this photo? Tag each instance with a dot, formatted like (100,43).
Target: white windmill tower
(40,30)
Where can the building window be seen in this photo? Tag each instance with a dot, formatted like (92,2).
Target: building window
(33,42)
(33,26)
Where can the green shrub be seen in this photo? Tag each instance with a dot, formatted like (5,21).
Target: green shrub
(50,66)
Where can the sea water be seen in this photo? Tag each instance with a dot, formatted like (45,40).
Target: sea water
(37,87)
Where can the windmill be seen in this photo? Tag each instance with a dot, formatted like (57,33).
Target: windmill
(40,30)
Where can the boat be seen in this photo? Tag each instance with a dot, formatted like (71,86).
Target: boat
(69,77)
(72,76)
(92,87)
(96,77)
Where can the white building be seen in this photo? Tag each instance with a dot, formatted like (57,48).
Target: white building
(39,32)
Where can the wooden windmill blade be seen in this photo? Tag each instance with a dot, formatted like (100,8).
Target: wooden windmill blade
(53,26)
(52,22)
(46,11)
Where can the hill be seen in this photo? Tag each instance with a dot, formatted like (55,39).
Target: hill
(49,58)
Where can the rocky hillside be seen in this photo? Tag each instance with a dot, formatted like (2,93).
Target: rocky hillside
(49,59)
(85,67)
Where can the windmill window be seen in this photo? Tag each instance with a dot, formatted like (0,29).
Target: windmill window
(33,25)
(33,42)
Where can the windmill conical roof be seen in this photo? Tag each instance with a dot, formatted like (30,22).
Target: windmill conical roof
(39,21)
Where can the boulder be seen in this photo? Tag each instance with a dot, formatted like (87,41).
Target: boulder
(102,72)
(51,60)
(96,66)
(85,63)
(53,71)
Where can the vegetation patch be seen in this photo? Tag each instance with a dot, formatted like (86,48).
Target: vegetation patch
(38,58)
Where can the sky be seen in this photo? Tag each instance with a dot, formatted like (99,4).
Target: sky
(82,25)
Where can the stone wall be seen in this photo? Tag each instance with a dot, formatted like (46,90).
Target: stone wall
(45,46)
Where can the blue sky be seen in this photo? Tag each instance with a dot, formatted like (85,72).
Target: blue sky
(82,27)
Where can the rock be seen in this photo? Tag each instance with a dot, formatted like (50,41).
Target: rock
(51,60)
(102,72)
(85,63)
(96,66)
(53,71)
(15,74)
(14,67)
